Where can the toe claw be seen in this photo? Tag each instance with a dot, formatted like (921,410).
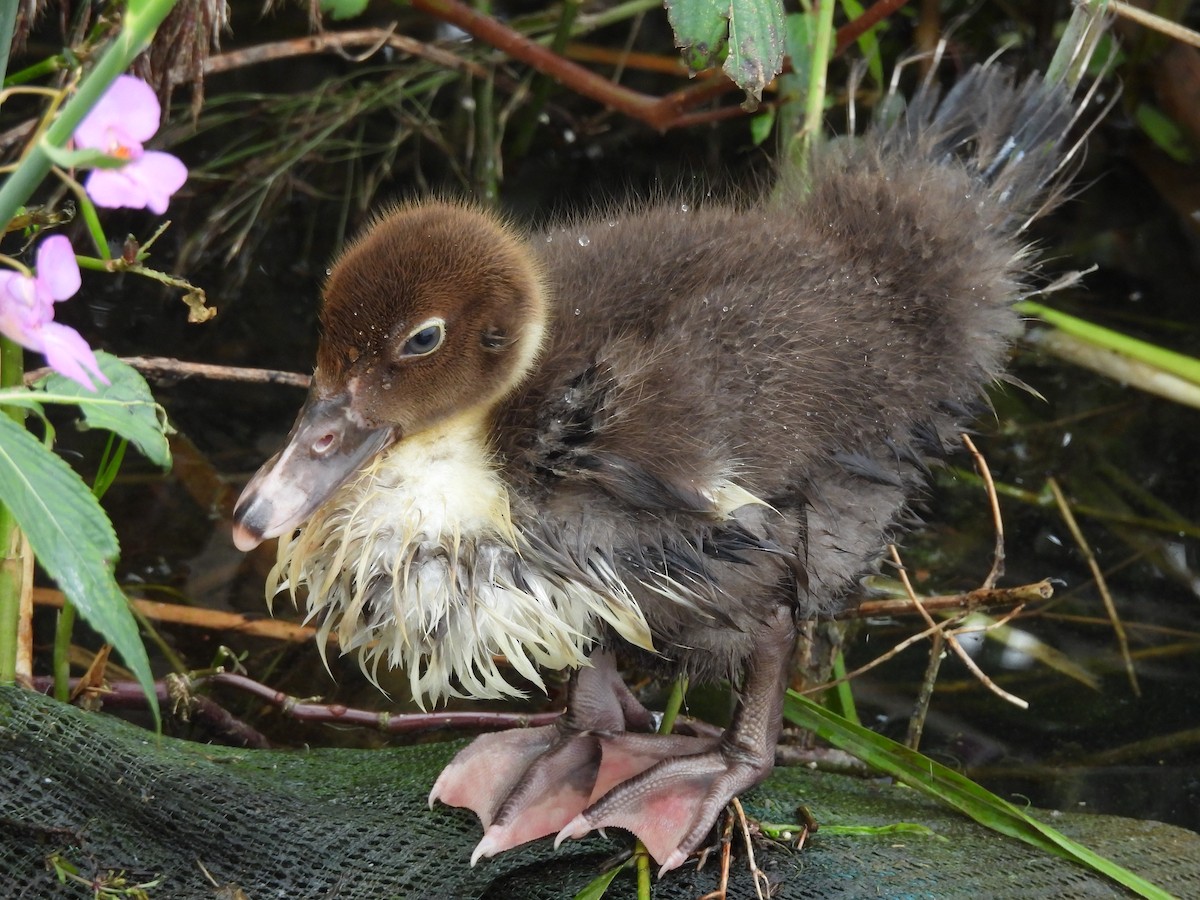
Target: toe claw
(576,828)
(674,861)
(485,848)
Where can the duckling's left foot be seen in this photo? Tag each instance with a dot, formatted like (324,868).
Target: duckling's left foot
(671,807)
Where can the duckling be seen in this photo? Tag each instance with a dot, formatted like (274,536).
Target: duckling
(668,434)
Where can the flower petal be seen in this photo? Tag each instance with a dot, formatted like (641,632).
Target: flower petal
(57,270)
(23,309)
(160,175)
(114,188)
(69,354)
(16,321)
(129,108)
(146,183)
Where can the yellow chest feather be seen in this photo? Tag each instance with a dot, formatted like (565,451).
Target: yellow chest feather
(416,562)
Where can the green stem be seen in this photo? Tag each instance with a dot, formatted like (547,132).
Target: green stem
(37,70)
(90,218)
(643,871)
(674,704)
(814,105)
(543,85)
(12,372)
(62,651)
(1179,364)
(614,15)
(843,696)
(141,20)
(106,473)
(8,21)
(670,714)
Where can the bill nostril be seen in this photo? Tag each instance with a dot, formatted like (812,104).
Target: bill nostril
(324,444)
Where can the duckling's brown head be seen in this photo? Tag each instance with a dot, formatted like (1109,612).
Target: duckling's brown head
(431,317)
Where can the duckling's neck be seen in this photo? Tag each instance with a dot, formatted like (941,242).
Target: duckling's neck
(417,563)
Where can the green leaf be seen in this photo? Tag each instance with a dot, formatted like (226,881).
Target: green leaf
(125,406)
(871,830)
(343,9)
(72,539)
(840,698)
(596,888)
(868,43)
(937,781)
(761,124)
(756,37)
(1161,129)
(700,29)
(799,36)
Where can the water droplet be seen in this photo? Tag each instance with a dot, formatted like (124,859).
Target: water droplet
(612,223)
(568,136)
(584,240)
(577,310)
(468,103)
(549,239)
(685,207)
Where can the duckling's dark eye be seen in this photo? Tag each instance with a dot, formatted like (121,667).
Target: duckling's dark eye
(427,338)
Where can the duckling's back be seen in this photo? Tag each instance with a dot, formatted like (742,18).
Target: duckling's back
(812,350)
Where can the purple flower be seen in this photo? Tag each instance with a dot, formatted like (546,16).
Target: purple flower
(127,115)
(27,312)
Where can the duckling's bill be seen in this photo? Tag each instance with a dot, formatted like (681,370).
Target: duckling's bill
(328,444)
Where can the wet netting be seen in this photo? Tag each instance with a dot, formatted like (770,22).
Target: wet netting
(107,798)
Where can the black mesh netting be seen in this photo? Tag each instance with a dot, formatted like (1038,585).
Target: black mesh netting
(354,824)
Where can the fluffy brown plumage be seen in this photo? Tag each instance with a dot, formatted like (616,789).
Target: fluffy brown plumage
(668,428)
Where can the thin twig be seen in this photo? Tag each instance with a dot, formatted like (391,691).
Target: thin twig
(24,666)
(951,639)
(186,706)
(969,601)
(164,368)
(392,723)
(180,691)
(877,661)
(762,884)
(1181,33)
(213,619)
(374,39)
(671,111)
(1101,582)
(985,473)
(726,844)
(916,722)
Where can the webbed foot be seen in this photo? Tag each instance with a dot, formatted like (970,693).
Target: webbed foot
(589,771)
(671,806)
(528,783)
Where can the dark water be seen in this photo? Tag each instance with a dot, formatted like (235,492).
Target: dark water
(1098,747)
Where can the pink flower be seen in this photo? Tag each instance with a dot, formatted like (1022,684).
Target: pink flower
(127,115)
(27,312)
